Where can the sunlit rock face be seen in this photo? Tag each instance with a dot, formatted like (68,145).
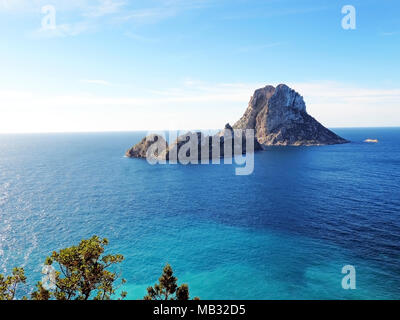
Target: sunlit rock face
(279,117)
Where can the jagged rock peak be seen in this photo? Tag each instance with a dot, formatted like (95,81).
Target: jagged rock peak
(289,98)
(257,102)
(279,117)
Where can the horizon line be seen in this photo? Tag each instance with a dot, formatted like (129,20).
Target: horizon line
(165,130)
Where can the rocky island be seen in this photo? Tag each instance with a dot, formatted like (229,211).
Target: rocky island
(277,115)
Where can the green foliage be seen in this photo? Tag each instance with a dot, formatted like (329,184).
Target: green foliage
(41,293)
(182,293)
(82,273)
(167,288)
(8,285)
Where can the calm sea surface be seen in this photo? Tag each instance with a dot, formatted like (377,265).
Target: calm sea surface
(284,232)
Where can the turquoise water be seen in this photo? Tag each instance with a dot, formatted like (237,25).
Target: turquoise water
(284,232)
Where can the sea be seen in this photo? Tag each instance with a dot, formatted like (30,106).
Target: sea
(283,232)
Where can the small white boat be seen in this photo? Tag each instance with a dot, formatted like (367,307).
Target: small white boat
(371,140)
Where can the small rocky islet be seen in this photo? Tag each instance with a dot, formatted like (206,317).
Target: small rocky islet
(277,115)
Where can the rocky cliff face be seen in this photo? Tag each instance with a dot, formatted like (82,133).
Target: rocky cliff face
(279,117)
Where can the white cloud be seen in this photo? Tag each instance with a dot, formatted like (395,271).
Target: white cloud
(63,30)
(194,105)
(73,17)
(98,82)
(393,33)
(90,11)
(105,7)
(148,15)
(337,104)
(98,7)
(138,37)
(261,47)
(162,10)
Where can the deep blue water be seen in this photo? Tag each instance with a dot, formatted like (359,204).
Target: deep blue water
(284,232)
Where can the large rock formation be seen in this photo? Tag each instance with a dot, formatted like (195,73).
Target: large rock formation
(279,118)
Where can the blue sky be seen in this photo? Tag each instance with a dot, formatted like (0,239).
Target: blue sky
(113,65)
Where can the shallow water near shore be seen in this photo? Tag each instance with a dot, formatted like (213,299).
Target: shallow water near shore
(284,232)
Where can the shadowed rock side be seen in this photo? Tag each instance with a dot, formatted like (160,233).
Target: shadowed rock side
(193,146)
(140,150)
(279,118)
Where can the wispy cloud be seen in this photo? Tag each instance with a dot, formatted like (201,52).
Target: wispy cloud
(393,33)
(91,15)
(73,17)
(64,30)
(105,7)
(138,37)
(260,47)
(148,15)
(161,10)
(254,13)
(193,105)
(97,82)
(339,104)
(84,7)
